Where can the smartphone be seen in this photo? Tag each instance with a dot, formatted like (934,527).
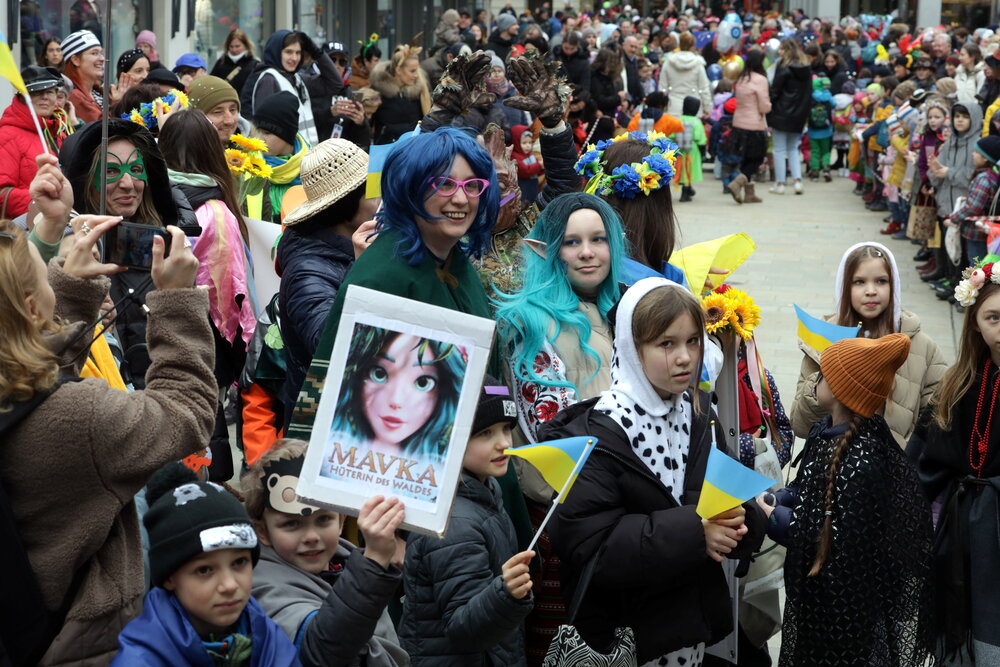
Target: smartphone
(131,244)
(358,96)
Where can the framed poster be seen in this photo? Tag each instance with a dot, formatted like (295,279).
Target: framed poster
(397,407)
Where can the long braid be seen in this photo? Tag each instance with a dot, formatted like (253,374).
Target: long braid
(824,540)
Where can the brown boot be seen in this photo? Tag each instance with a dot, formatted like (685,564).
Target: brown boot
(749,197)
(736,188)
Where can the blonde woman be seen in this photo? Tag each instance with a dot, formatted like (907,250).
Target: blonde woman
(406,97)
(75,452)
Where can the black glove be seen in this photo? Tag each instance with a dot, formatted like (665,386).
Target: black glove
(309,46)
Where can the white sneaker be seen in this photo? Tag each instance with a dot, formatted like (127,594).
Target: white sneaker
(777,189)
(798,186)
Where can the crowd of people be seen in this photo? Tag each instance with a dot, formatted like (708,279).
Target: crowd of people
(537,168)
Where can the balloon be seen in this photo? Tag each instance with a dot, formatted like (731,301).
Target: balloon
(732,70)
(714,72)
(729,36)
(771,49)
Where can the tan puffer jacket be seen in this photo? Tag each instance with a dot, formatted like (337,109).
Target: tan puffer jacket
(915,383)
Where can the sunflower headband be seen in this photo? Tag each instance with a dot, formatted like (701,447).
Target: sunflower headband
(655,171)
(973,280)
(148,113)
(365,46)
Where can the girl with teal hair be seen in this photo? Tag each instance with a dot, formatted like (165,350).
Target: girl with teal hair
(555,329)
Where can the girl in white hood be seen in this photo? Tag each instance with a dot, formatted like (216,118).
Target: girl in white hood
(868,292)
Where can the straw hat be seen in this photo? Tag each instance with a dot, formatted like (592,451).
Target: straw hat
(329,171)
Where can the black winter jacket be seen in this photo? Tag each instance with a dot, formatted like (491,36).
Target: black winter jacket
(499,45)
(838,76)
(559,153)
(224,68)
(576,68)
(456,610)
(604,93)
(312,269)
(653,573)
(791,96)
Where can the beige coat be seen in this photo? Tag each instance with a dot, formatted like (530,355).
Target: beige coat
(72,467)
(915,383)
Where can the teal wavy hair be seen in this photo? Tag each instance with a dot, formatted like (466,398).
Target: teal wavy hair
(432,438)
(547,302)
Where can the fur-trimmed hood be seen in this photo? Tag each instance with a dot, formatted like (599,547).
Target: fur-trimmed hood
(382,80)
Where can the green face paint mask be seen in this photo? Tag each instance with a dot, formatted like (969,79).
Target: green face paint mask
(133,166)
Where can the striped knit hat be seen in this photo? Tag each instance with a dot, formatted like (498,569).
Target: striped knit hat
(861,371)
(78,42)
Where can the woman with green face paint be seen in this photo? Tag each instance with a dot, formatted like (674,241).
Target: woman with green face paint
(136,187)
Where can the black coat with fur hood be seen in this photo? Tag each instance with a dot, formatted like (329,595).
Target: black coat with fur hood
(402,106)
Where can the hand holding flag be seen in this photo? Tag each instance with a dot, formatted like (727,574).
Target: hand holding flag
(728,484)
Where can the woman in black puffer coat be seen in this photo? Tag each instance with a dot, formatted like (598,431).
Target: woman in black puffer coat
(791,95)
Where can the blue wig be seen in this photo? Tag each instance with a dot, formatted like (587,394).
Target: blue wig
(547,302)
(407,170)
(431,440)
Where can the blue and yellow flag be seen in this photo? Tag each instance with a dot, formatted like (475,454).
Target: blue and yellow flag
(376,160)
(8,69)
(559,461)
(728,484)
(819,334)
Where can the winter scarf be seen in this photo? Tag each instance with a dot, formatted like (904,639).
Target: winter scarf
(285,171)
(838,285)
(633,403)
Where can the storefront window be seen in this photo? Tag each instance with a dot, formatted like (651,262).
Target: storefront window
(214,19)
(42,19)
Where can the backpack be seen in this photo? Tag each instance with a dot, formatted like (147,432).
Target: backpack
(685,139)
(27,628)
(819,116)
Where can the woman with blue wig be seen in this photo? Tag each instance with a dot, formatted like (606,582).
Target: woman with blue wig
(440,198)
(555,329)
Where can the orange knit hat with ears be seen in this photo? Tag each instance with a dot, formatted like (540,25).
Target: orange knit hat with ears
(861,371)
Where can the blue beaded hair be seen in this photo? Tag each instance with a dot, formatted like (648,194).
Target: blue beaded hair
(405,189)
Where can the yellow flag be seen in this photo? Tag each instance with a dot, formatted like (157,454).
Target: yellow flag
(725,253)
(8,69)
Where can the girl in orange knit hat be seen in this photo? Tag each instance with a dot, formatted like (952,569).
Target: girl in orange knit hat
(959,466)
(857,529)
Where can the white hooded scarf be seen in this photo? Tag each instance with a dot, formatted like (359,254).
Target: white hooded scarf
(839,285)
(658,430)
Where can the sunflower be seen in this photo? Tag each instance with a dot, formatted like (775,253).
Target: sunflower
(236,160)
(649,180)
(718,312)
(182,98)
(137,118)
(746,314)
(248,143)
(624,136)
(258,167)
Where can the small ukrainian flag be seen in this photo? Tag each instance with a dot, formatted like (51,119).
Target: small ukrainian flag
(728,484)
(819,334)
(558,461)
(376,160)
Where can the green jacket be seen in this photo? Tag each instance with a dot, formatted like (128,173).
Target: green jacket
(380,268)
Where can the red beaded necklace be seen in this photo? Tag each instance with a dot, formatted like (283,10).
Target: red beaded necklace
(979,441)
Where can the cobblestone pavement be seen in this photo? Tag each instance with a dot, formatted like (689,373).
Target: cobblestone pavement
(800,240)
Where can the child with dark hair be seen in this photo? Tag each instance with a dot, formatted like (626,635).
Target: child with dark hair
(202,550)
(468,593)
(982,197)
(692,141)
(853,596)
(722,144)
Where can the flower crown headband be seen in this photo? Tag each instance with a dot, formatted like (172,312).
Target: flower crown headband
(655,171)
(148,113)
(973,280)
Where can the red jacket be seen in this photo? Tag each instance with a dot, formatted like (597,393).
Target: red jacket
(19,144)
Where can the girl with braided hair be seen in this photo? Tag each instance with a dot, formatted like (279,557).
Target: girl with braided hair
(855,595)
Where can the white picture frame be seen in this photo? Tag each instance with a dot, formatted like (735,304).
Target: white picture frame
(397,407)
